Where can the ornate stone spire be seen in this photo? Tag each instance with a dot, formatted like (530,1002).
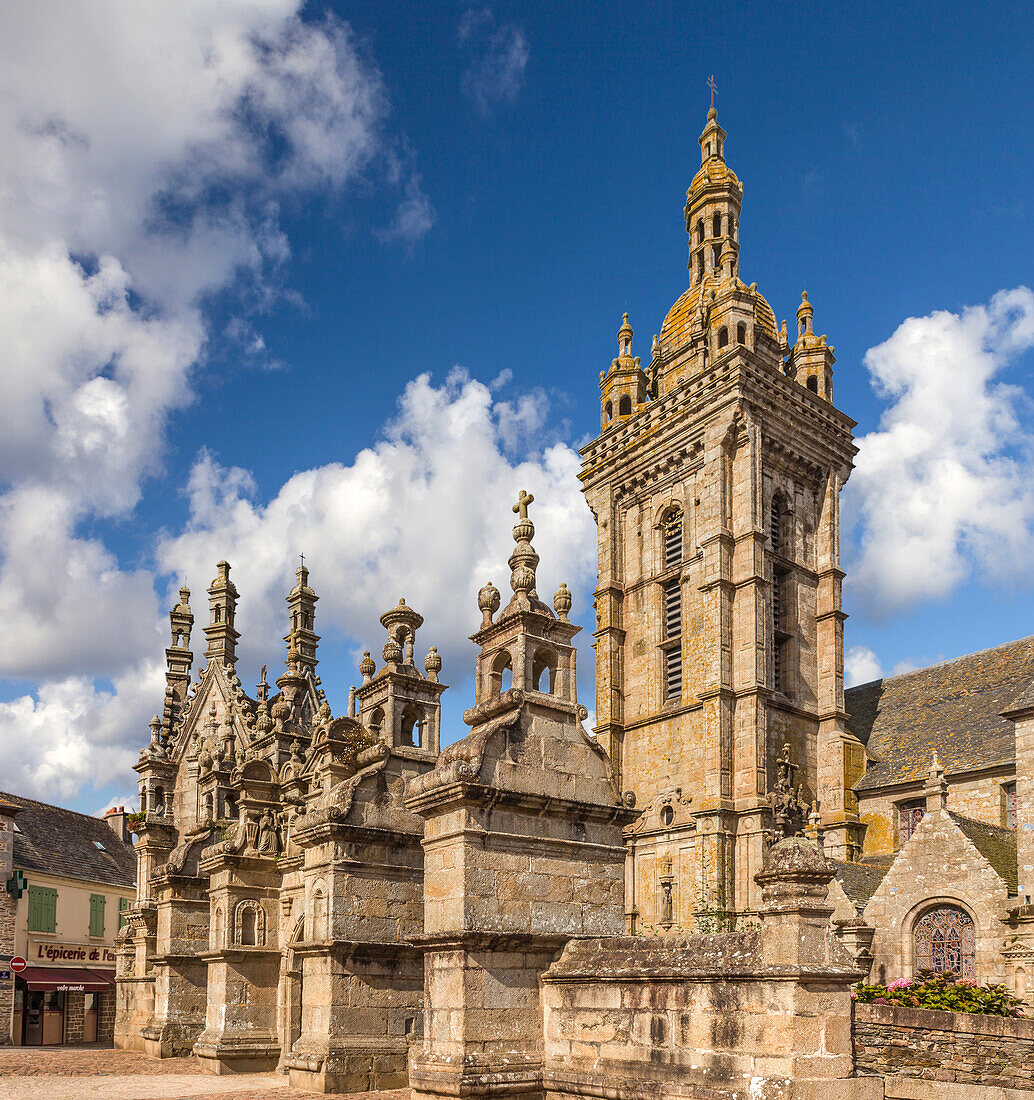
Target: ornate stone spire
(220,632)
(301,604)
(625,335)
(523,561)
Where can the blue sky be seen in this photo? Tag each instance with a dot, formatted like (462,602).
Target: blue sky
(235,236)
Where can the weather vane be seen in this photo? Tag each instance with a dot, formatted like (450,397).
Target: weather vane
(714,87)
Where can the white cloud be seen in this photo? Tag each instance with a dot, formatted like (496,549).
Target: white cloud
(73,734)
(147,149)
(499,57)
(414,217)
(943,486)
(860,666)
(425,514)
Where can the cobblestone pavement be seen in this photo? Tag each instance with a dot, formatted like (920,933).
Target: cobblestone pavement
(101,1073)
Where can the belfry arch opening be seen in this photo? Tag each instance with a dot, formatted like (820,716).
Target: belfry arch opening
(412,727)
(543,671)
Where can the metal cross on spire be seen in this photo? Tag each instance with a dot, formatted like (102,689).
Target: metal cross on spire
(714,87)
(301,558)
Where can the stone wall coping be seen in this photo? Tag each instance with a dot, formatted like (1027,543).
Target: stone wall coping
(674,958)
(927,1019)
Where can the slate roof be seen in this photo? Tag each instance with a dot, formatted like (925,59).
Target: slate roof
(861,879)
(995,844)
(57,841)
(954,708)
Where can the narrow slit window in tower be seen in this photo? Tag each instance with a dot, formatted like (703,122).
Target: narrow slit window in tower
(741,333)
(716,226)
(723,337)
(625,406)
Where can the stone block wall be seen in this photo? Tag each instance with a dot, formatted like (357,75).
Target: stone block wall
(75,1011)
(8,912)
(106,1007)
(955,1047)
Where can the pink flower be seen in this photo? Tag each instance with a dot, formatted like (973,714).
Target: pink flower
(901,983)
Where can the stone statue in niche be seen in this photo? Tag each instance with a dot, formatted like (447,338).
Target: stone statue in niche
(268,841)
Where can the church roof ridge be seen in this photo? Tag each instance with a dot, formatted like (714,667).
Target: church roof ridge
(941,664)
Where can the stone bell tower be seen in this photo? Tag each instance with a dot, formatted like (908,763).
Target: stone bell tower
(715,487)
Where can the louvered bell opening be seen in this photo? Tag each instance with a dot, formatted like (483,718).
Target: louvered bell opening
(673,672)
(673,609)
(673,540)
(773,525)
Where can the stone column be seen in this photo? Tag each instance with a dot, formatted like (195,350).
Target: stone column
(799,945)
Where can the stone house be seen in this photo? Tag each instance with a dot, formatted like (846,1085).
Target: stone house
(78,880)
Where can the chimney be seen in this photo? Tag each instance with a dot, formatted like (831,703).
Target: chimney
(116,818)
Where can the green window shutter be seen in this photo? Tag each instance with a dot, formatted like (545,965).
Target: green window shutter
(96,914)
(123,905)
(42,909)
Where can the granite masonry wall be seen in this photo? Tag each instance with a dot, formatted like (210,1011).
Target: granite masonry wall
(956,1047)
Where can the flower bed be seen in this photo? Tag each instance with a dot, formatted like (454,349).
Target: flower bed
(941,993)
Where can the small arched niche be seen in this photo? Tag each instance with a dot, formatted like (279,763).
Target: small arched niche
(319,912)
(723,337)
(250,924)
(608,411)
(625,405)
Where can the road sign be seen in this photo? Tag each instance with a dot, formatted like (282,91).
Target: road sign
(18,964)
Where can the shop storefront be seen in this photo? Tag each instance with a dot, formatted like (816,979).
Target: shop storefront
(56,1005)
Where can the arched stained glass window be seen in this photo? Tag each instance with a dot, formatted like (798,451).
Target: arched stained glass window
(945,942)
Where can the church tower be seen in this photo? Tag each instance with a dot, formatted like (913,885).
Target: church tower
(715,484)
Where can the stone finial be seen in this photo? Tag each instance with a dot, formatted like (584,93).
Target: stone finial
(625,335)
(281,710)
(351,702)
(562,602)
(155,726)
(293,655)
(392,652)
(263,722)
(488,602)
(523,561)
(409,649)
(805,313)
(367,667)
(433,663)
(936,787)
